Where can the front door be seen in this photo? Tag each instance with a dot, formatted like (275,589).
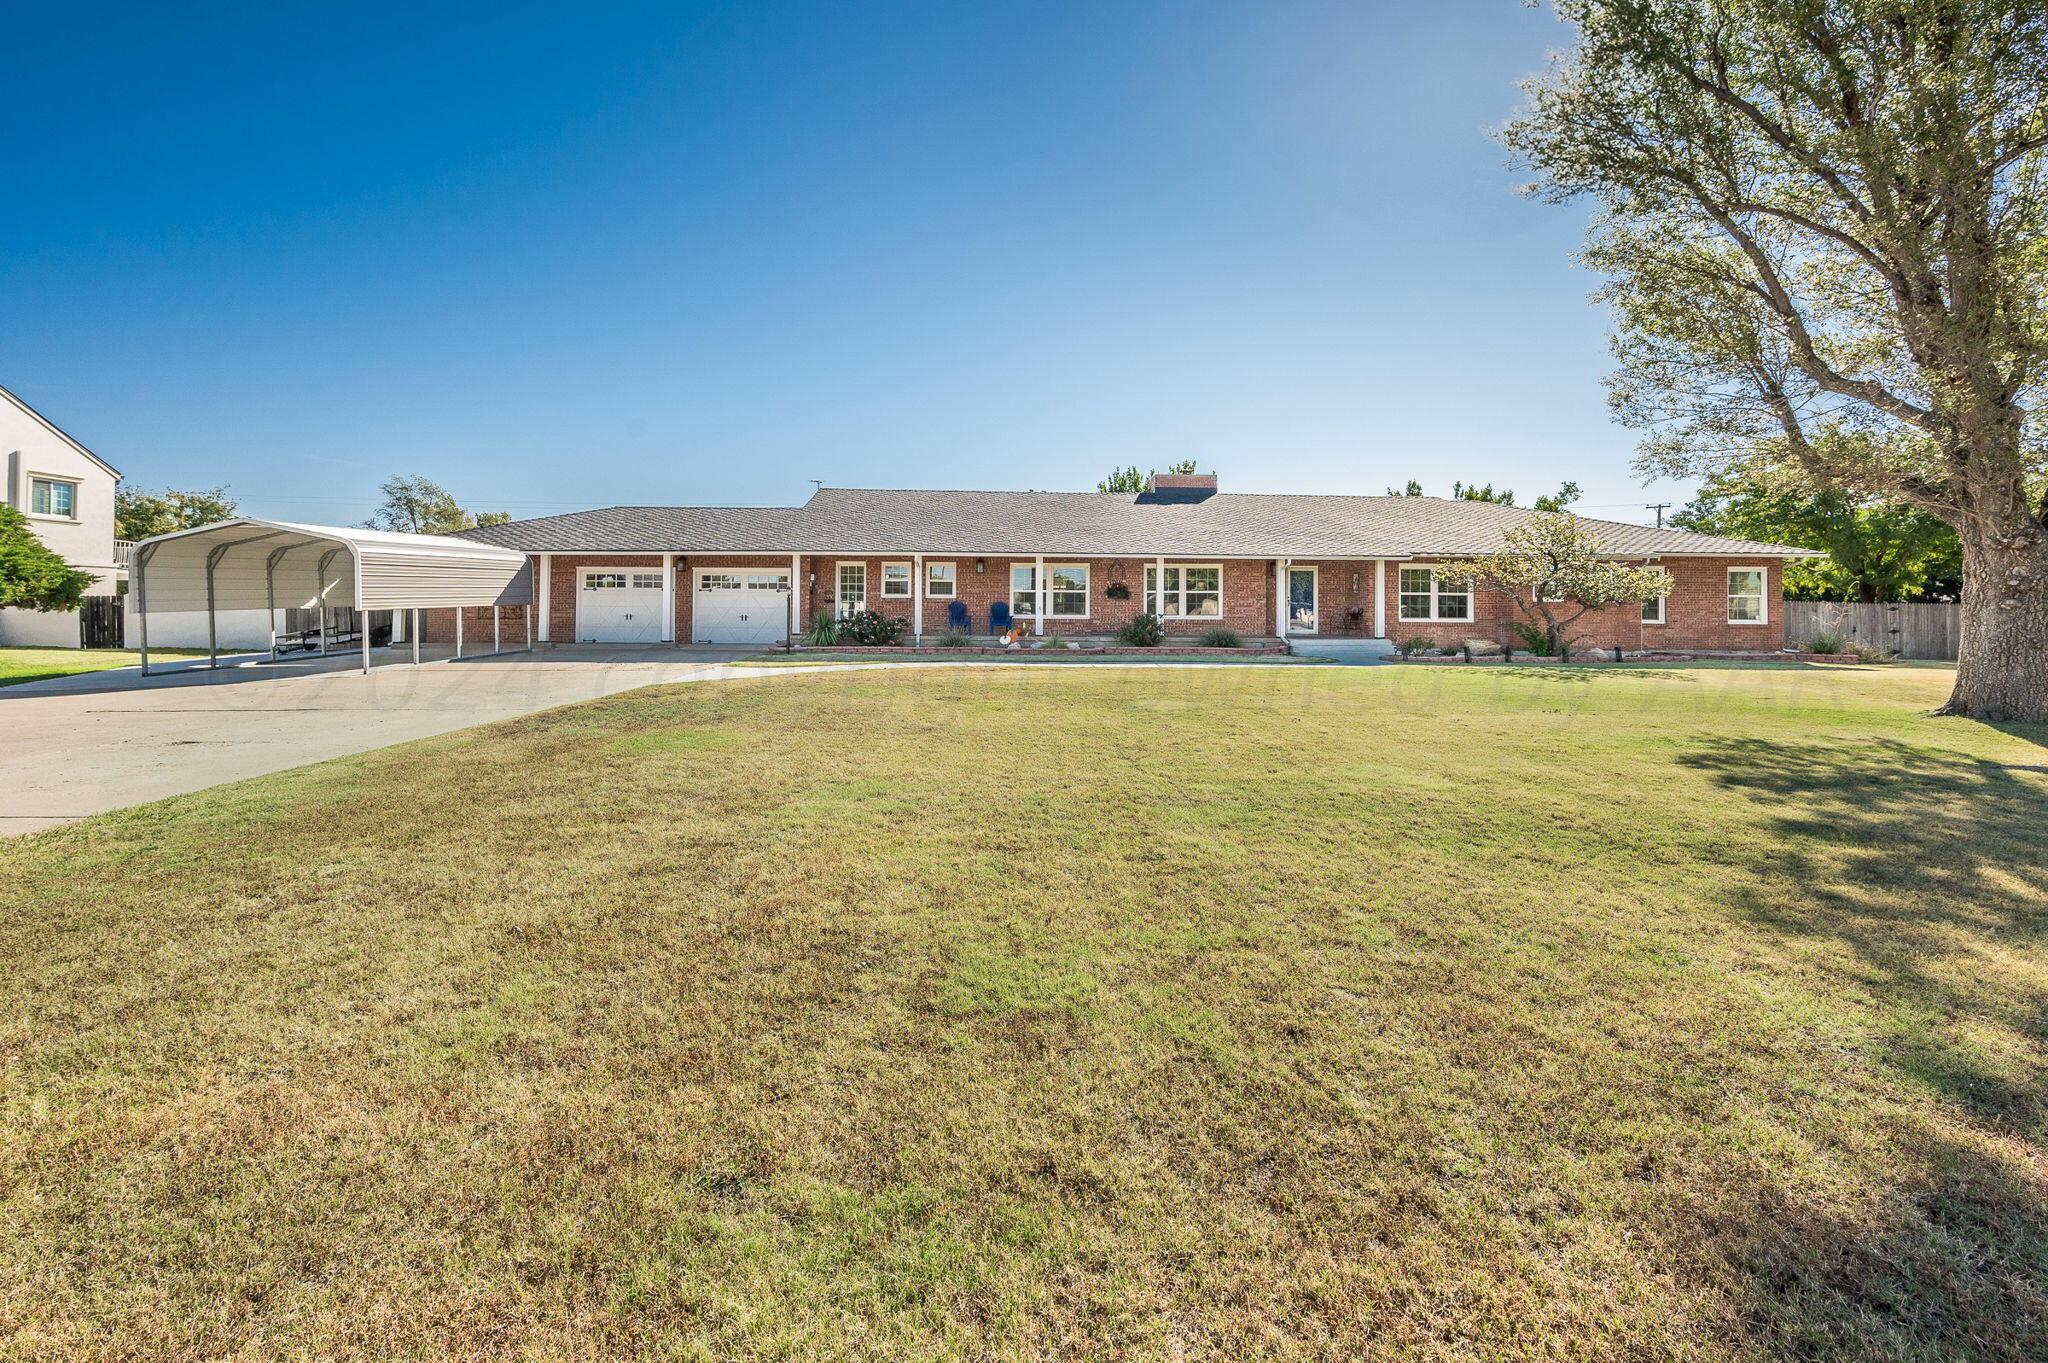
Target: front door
(1301,601)
(853,588)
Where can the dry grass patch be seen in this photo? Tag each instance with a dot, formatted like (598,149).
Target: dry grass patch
(1655,1013)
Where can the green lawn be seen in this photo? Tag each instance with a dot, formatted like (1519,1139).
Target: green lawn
(34,664)
(1679,1013)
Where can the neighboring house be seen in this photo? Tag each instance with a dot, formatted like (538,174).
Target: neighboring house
(67,493)
(1084,563)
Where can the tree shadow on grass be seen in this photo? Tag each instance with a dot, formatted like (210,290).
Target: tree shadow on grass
(1926,874)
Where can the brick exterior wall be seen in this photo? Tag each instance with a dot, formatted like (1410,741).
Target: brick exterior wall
(1696,613)
(1247,593)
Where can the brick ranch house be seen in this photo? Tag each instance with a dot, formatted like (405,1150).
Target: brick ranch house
(1081,564)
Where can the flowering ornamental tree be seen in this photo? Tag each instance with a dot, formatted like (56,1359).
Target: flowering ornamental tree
(1552,570)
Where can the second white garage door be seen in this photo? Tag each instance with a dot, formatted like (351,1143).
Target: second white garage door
(740,607)
(618,606)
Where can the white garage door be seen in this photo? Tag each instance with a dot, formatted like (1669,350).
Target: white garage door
(618,606)
(740,607)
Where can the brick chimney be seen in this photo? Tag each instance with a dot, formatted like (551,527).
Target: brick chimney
(1183,482)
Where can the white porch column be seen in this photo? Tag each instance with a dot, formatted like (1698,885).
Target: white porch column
(917,597)
(668,599)
(1038,574)
(547,578)
(1379,598)
(1280,590)
(796,596)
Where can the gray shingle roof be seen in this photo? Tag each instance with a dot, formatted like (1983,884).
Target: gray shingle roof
(1087,524)
(651,529)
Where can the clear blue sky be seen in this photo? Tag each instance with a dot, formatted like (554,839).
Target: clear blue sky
(564,256)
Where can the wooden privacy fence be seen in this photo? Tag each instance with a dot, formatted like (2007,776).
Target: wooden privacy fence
(100,622)
(1908,629)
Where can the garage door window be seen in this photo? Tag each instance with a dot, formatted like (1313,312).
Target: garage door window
(600,581)
(768,582)
(647,580)
(718,582)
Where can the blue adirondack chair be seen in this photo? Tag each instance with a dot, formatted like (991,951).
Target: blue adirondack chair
(998,617)
(956,616)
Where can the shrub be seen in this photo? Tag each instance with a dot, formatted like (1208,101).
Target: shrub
(1143,631)
(1535,639)
(1410,647)
(1866,653)
(953,638)
(1053,641)
(871,628)
(823,631)
(1222,637)
(1827,641)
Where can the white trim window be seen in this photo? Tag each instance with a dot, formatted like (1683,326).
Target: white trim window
(939,581)
(1747,591)
(853,588)
(1653,611)
(1023,590)
(896,580)
(1424,598)
(56,498)
(1194,591)
(1066,586)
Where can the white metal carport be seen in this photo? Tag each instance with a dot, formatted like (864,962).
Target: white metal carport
(249,564)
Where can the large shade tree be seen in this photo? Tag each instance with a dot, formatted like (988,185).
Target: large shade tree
(1825,224)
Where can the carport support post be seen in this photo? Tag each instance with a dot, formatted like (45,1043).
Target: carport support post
(212,635)
(413,630)
(458,631)
(139,571)
(494,627)
(529,627)
(364,618)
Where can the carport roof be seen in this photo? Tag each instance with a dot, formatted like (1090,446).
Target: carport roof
(249,562)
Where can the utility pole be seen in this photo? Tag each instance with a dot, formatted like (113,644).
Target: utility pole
(1658,507)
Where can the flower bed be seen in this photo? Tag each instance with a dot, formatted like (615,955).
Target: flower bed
(1168,649)
(1605,658)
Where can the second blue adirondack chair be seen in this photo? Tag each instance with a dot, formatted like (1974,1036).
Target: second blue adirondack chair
(998,617)
(956,616)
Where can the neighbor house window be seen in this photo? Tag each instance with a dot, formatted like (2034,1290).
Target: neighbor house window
(1423,597)
(52,497)
(938,579)
(1746,596)
(1023,589)
(895,579)
(1653,611)
(1190,592)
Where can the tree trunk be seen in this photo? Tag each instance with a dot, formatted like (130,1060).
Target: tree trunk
(2002,665)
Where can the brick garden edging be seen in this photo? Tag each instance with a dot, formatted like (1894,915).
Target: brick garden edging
(1530,659)
(1167,649)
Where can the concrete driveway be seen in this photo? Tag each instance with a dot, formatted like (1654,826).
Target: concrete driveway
(74,746)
